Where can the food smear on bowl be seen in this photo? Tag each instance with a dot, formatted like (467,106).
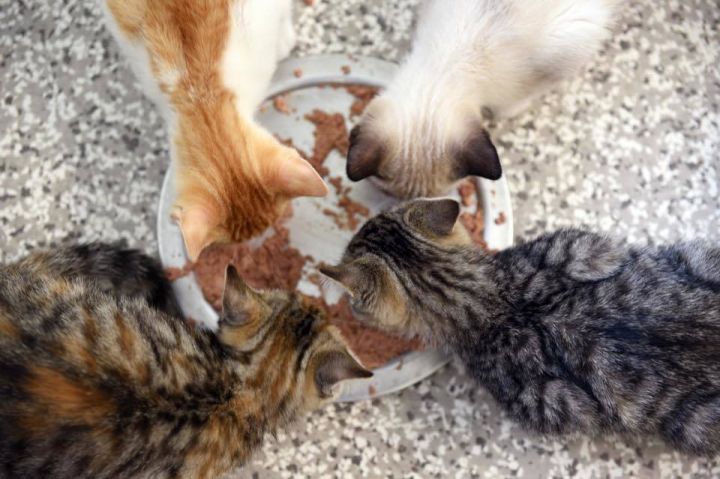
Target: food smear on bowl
(363,94)
(274,263)
(281,105)
(374,348)
(473,220)
(330,134)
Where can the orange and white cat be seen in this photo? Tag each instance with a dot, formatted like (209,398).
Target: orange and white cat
(207,65)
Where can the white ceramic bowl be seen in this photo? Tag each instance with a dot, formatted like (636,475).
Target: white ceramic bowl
(312,232)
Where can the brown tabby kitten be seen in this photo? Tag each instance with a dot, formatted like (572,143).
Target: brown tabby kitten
(99,378)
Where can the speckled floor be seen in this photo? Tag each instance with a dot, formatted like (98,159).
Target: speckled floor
(631,147)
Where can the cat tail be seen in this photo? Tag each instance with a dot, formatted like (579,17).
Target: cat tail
(114,269)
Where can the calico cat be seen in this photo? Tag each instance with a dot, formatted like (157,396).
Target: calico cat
(207,64)
(571,332)
(425,131)
(99,378)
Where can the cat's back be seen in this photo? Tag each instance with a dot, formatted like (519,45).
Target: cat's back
(596,297)
(85,377)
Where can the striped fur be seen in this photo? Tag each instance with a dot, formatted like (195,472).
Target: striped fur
(571,332)
(95,382)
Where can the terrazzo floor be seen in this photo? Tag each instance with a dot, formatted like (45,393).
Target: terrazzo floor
(632,147)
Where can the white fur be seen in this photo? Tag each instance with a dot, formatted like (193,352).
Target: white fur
(470,54)
(261,34)
(139,61)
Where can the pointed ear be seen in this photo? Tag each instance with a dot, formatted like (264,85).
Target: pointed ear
(478,157)
(334,367)
(350,275)
(196,225)
(296,177)
(365,154)
(437,217)
(241,304)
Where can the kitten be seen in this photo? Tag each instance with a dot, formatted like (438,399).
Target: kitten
(571,332)
(97,382)
(207,64)
(425,131)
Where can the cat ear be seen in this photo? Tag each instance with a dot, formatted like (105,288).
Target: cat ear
(365,155)
(350,275)
(437,217)
(241,304)
(196,225)
(334,367)
(478,157)
(296,177)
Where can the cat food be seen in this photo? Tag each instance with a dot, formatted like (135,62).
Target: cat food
(298,73)
(280,104)
(467,193)
(500,220)
(363,96)
(373,347)
(473,221)
(330,134)
(346,69)
(347,217)
(275,264)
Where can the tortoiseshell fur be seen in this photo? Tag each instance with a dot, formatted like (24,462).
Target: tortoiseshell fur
(97,382)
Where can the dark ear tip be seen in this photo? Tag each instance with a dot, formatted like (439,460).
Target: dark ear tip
(479,157)
(364,155)
(332,272)
(353,170)
(450,207)
(495,171)
(231,271)
(495,168)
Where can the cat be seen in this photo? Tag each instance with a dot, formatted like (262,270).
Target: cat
(425,131)
(100,378)
(207,65)
(572,332)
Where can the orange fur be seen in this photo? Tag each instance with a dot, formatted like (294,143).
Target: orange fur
(67,399)
(7,328)
(126,337)
(234,179)
(79,353)
(89,327)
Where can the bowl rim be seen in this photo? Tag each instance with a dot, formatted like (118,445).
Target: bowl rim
(318,69)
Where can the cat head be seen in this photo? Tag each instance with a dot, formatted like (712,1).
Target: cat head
(234,179)
(413,154)
(390,266)
(298,359)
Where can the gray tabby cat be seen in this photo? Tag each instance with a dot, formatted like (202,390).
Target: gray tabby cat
(571,332)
